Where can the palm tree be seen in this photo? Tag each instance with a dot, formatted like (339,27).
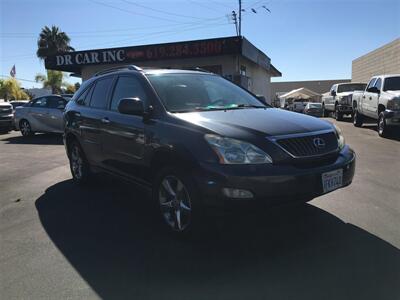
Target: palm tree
(53,80)
(52,40)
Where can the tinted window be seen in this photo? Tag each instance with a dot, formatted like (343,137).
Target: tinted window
(392,84)
(41,102)
(378,84)
(127,87)
(100,93)
(56,102)
(84,98)
(351,87)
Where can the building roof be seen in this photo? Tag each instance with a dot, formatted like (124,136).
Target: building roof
(75,61)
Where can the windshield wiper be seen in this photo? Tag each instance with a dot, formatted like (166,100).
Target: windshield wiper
(251,106)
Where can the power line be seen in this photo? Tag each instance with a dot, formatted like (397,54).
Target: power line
(161,11)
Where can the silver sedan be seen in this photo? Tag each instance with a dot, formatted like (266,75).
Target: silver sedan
(43,114)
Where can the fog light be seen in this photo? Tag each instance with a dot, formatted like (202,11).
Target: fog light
(237,193)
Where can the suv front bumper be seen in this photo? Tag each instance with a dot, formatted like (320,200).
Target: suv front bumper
(269,184)
(392,117)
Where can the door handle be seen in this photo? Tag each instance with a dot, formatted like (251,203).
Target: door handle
(364,97)
(370,98)
(77,114)
(105,120)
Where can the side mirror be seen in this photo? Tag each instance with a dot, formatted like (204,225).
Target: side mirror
(261,98)
(131,106)
(373,89)
(333,93)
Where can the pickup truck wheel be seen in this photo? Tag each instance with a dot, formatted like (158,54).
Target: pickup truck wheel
(324,112)
(382,127)
(357,119)
(175,192)
(338,114)
(79,166)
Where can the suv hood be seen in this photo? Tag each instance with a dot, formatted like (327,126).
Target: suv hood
(241,122)
(393,93)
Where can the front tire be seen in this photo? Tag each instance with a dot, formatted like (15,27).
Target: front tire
(357,119)
(382,127)
(175,194)
(79,166)
(25,128)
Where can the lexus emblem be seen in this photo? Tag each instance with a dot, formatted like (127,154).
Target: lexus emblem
(319,143)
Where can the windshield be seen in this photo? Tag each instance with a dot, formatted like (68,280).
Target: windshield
(351,87)
(191,92)
(392,84)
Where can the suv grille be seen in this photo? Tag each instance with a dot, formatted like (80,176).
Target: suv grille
(5,110)
(312,145)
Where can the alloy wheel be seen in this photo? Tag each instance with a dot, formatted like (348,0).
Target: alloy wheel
(76,162)
(25,128)
(381,125)
(175,203)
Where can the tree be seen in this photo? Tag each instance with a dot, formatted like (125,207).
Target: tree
(53,80)
(51,41)
(70,89)
(10,89)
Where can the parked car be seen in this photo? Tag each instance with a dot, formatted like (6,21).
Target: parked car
(6,116)
(15,104)
(338,100)
(298,106)
(199,142)
(313,109)
(380,101)
(43,114)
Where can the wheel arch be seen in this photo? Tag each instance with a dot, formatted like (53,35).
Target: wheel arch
(381,108)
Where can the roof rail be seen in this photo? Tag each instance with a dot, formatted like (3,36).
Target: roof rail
(128,67)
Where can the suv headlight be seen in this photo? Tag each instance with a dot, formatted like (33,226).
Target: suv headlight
(340,137)
(231,151)
(393,104)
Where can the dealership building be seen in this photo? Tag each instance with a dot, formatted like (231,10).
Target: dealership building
(235,58)
(384,60)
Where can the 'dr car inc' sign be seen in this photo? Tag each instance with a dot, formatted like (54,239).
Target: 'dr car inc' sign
(73,61)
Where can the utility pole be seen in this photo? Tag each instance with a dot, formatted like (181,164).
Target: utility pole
(234,18)
(240,17)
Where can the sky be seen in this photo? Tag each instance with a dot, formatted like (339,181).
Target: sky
(305,39)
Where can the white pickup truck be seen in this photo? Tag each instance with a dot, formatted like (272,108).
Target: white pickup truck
(338,100)
(379,101)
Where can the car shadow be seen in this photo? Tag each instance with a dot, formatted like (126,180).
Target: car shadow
(112,236)
(37,139)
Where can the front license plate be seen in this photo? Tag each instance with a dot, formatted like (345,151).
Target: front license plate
(332,180)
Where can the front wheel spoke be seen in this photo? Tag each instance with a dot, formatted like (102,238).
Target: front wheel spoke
(168,188)
(184,206)
(178,219)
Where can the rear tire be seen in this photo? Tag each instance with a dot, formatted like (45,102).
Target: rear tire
(178,201)
(79,166)
(25,128)
(324,112)
(357,118)
(338,114)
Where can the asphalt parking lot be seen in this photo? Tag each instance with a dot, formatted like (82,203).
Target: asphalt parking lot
(59,240)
